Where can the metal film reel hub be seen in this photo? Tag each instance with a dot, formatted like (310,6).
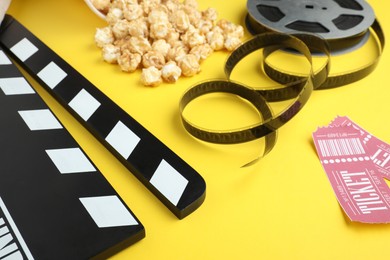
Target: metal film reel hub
(334,20)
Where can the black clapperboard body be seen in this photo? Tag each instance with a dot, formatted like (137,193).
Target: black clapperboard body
(54,202)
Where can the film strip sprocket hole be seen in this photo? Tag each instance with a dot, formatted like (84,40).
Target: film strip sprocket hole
(163,172)
(53,199)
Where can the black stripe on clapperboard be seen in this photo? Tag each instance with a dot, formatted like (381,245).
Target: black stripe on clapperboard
(54,203)
(163,172)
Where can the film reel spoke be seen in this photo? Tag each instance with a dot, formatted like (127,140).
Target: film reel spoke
(285,21)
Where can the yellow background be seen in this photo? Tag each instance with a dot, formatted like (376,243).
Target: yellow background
(283,207)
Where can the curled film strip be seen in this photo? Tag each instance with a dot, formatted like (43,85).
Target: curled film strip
(53,199)
(170,178)
(321,26)
(299,91)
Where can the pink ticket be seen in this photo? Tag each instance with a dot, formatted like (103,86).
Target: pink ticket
(378,150)
(359,188)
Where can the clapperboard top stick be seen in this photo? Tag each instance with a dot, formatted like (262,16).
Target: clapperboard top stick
(54,202)
(163,172)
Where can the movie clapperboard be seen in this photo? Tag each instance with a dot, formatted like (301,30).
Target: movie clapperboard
(54,202)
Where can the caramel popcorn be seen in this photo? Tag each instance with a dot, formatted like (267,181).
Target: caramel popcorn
(177,51)
(215,39)
(167,39)
(158,16)
(202,51)
(159,30)
(189,65)
(170,72)
(153,59)
(139,28)
(137,44)
(231,43)
(210,14)
(205,26)
(172,37)
(131,2)
(193,38)
(129,61)
(114,15)
(151,76)
(101,5)
(110,53)
(120,29)
(191,3)
(231,29)
(180,21)
(149,5)
(162,47)
(133,12)
(104,36)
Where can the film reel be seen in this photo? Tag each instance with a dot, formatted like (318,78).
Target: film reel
(343,23)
